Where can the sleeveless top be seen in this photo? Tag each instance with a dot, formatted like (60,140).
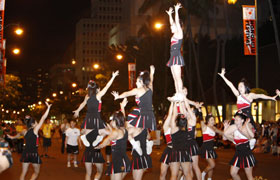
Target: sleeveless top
(179,140)
(176,45)
(93,105)
(239,138)
(208,135)
(119,146)
(191,133)
(145,102)
(243,103)
(142,138)
(31,141)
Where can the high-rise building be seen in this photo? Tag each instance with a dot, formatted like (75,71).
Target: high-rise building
(92,35)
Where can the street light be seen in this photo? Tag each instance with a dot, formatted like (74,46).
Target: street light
(54,94)
(16,51)
(96,66)
(60,92)
(119,57)
(158,25)
(48,99)
(73,62)
(74,85)
(232,1)
(19,31)
(39,102)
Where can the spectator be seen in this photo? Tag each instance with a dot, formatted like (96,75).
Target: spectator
(72,141)
(63,127)
(47,128)
(19,128)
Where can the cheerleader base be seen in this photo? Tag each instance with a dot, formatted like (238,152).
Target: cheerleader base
(207,150)
(243,157)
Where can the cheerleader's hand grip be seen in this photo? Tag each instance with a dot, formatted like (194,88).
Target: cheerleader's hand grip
(136,146)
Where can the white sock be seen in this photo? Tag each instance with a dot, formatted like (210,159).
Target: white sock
(209,178)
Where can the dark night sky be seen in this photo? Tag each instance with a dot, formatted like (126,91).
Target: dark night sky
(49,27)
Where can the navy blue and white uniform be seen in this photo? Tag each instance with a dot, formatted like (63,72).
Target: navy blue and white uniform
(176,57)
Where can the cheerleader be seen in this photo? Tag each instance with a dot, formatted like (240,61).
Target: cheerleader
(240,133)
(180,153)
(30,153)
(93,102)
(176,60)
(166,155)
(194,150)
(207,150)
(118,137)
(244,96)
(141,150)
(144,117)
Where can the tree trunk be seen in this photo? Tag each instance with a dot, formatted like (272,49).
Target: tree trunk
(215,77)
(275,29)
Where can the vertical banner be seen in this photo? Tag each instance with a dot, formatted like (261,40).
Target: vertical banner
(131,75)
(2,48)
(249,29)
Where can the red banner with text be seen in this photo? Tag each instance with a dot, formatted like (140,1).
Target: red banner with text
(249,29)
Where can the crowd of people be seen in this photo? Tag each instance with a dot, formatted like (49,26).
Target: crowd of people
(187,134)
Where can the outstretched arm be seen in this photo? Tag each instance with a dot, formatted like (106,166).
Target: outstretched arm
(179,32)
(101,93)
(82,105)
(262,96)
(113,135)
(43,118)
(152,72)
(169,12)
(192,120)
(132,92)
(233,89)
(166,123)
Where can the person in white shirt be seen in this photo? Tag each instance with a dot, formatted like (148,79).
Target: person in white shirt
(71,143)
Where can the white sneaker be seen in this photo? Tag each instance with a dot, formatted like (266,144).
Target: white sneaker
(68,164)
(137,148)
(203,174)
(75,164)
(252,143)
(85,141)
(149,146)
(97,140)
